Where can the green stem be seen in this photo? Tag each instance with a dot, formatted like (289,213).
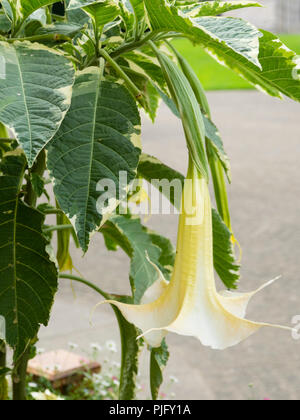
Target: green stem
(48,15)
(133,88)
(6,140)
(87,283)
(53,211)
(97,39)
(39,168)
(133,45)
(19,377)
(57,227)
(122,388)
(169,36)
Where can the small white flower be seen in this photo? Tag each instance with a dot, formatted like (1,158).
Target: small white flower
(174,380)
(103,393)
(116,382)
(39,396)
(111,346)
(40,351)
(72,346)
(105,384)
(32,385)
(96,347)
(46,396)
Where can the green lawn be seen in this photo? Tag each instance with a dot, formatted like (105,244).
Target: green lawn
(212,74)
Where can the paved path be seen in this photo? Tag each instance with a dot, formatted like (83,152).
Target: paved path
(261,136)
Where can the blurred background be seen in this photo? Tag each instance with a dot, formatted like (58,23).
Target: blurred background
(261,137)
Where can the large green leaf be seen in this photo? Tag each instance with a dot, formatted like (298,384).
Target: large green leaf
(224,259)
(7,9)
(77,16)
(35,93)
(22,9)
(28,279)
(146,86)
(5,23)
(227,39)
(132,11)
(102,11)
(147,66)
(127,14)
(151,168)
(138,9)
(61,28)
(158,361)
(131,236)
(280,68)
(77,4)
(273,68)
(94,143)
(214,8)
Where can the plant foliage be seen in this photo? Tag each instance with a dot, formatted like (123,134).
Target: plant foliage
(74,78)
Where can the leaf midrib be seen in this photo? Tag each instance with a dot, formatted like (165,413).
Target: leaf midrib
(92,148)
(14,244)
(25,103)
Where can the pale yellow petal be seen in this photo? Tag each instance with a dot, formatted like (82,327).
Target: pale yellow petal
(190,304)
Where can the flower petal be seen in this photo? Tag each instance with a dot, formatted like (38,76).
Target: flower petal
(190,304)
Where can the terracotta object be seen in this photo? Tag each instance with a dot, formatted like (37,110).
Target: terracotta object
(61,367)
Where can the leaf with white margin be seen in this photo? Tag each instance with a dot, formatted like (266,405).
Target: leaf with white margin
(229,39)
(138,8)
(102,11)
(35,93)
(214,8)
(96,141)
(22,9)
(78,4)
(275,70)
(280,72)
(131,236)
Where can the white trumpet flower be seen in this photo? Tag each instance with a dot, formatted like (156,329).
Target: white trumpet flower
(190,304)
